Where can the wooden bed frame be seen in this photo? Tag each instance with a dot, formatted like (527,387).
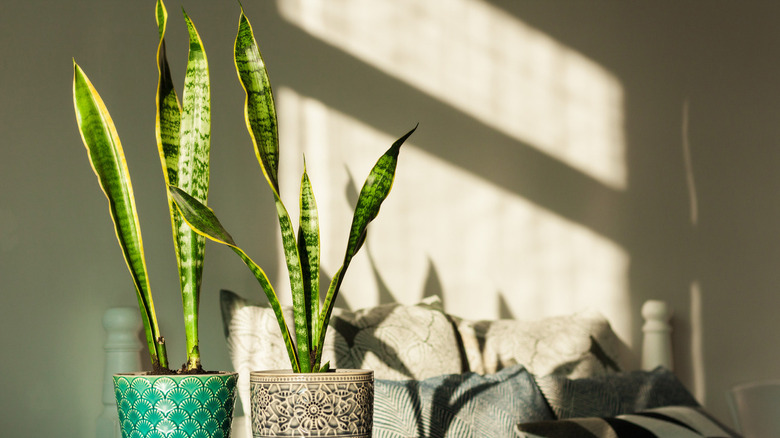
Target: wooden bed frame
(123,353)
(657,335)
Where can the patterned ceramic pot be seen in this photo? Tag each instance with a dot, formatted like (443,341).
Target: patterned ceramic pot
(334,404)
(175,406)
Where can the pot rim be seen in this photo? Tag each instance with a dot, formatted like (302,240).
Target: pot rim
(175,375)
(277,376)
(336,370)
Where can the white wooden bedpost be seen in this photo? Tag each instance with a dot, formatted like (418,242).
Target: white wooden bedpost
(657,341)
(123,348)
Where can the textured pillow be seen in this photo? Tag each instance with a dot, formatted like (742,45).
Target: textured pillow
(613,394)
(458,405)
(396,341)
(665,422)
(577,345)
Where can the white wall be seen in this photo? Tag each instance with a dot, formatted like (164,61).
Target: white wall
(632,233)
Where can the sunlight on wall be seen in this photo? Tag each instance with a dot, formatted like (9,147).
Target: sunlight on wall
(481,240)
(489,65)
(696,313)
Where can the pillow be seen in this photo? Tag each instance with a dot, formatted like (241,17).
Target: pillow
(613,394)
(458,405)
(396,341)
(576,345)
(665,422)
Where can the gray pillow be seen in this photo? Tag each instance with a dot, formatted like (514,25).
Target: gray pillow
(613,394)
(458,405)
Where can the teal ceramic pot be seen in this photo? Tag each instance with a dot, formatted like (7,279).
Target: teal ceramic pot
(333,404)
(175,406)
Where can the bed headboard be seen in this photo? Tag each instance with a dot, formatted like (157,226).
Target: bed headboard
(123,349)
(657,335)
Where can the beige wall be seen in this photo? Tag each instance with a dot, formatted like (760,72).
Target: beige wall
(60,267)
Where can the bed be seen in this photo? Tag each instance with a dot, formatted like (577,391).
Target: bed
(442,375)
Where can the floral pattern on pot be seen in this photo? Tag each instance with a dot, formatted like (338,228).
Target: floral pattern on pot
(335,404)
(175,406)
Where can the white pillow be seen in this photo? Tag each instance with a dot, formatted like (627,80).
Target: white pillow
(576,345)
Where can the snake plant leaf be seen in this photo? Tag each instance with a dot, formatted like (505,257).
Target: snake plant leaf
(297,286)
(193,177)
(199,217)
(375,190)
(195,135)
(167,127)
(108,162)
(203,220)
(259,109)
(260,115)
(168,117)
(309,250)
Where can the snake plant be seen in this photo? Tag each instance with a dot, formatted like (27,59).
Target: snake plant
(183,132)
(302,254)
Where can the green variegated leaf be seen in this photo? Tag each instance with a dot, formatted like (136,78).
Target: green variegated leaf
(295,271)
(259,109)
(374,192)
(195,133)
(203,220)
(167,132)
(199,217)
(108,161)
(260,115)
(168,120)
(309,250)
(193,177)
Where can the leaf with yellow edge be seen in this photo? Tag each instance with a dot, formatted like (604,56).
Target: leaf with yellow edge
(108,161)
(202,219)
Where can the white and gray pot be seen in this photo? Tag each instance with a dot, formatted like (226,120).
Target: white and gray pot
(339,403)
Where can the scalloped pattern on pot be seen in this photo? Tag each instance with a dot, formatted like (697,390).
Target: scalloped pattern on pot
(186,406)
(336,404)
